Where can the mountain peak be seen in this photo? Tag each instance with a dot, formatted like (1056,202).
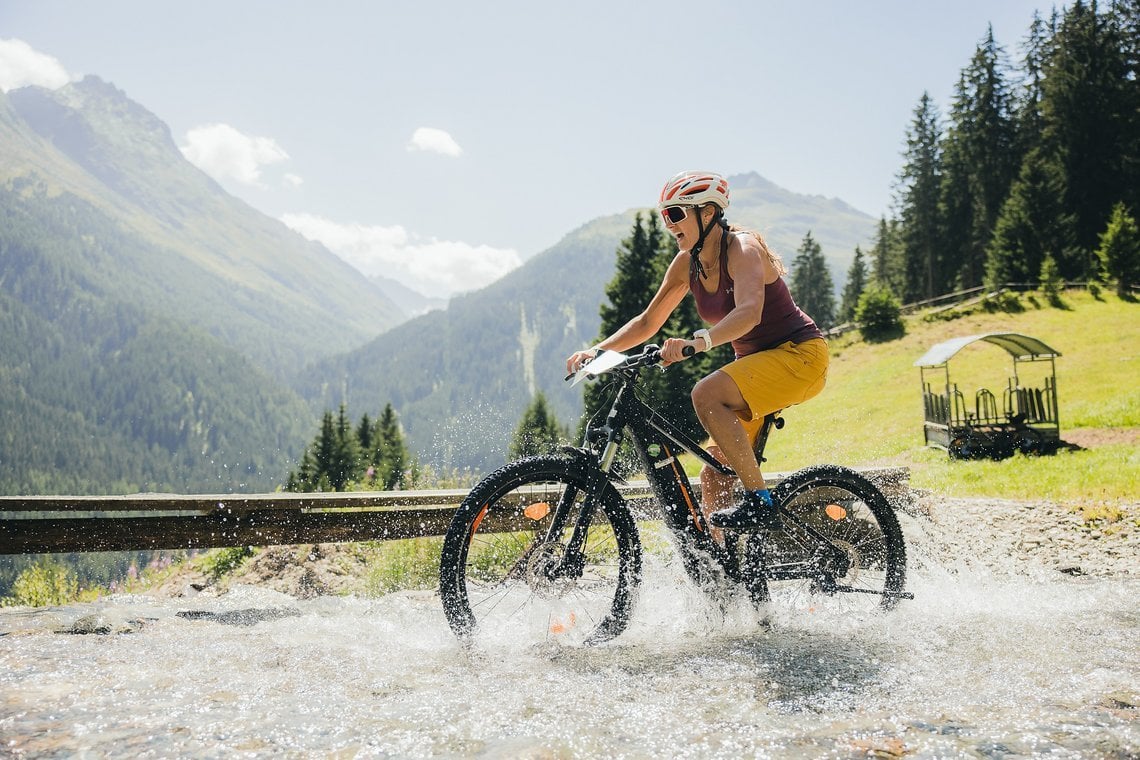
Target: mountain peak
(81,115)
(751,180)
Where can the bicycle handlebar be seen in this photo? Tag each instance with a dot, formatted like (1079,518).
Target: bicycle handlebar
(650,354)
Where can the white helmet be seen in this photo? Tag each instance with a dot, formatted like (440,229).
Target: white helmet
(695,189)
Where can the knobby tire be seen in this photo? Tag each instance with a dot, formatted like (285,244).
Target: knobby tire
(491,576)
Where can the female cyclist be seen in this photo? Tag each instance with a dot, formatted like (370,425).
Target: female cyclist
(781,356)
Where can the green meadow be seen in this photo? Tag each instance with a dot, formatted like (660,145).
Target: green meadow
(871,411)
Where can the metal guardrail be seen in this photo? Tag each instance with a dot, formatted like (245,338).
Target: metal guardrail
(64,524)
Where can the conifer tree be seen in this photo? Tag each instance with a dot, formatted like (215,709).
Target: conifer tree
(364,440)
(955,218)
(324,448)
(888,263)
(986,122)
(811,284)
(636,277)
(919,202)
(394,461)
(345,461)
(1029,119)
(1091,112)
(538,431)
(337,458)
(856,284)
(1119,250)
(979,158)
(1032,225)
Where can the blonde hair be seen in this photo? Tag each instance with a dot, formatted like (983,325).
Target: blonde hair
(773,257)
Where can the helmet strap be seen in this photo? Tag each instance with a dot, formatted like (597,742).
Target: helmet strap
(695,266)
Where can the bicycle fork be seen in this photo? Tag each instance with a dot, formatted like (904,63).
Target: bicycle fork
(599,467)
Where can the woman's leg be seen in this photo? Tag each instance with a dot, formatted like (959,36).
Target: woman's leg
(719,406)
(716,490)
(749,388)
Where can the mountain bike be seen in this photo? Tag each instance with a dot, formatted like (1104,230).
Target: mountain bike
(548,546)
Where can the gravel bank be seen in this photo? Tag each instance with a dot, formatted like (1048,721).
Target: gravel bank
(995,536)
(1013,536)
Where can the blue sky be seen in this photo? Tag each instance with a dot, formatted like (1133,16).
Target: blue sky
(441,143)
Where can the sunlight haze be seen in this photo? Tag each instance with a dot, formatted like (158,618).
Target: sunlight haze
(443,143)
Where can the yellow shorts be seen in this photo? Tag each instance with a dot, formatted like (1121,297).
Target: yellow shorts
(777,378)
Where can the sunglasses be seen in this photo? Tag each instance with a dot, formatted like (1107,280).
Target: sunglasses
(674,214)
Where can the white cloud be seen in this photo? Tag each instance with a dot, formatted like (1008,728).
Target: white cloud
(435,141)
(225,153)
(432,267)
(21,65)
(292,180)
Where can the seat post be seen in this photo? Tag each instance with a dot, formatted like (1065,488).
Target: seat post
(772,419)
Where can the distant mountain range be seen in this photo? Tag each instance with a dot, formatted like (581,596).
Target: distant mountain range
(158,334)
(410,302)
(240,275)
(150,323)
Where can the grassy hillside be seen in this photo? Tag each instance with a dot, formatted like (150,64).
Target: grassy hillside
(871,411)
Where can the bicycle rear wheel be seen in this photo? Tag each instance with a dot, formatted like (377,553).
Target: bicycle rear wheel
(502,575)
(829,508)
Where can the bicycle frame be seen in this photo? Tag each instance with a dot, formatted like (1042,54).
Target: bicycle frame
(659,442)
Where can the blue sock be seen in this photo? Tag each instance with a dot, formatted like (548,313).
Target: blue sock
(764,495)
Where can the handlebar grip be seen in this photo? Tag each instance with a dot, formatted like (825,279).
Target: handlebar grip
(688,351)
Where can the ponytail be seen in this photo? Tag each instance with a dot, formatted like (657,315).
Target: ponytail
(773,257)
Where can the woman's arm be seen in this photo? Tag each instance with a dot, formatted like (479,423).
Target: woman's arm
(649,322)
(750,270)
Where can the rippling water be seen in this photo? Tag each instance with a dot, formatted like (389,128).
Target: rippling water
(983,663)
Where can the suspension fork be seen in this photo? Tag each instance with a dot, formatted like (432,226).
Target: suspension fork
(598,470)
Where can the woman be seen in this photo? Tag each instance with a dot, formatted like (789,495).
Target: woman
(781,356)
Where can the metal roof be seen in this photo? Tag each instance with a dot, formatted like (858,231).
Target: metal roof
(1015,344)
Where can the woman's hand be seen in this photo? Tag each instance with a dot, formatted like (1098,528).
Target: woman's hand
(672,350)
(579,358)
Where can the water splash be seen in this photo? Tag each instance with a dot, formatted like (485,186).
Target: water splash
(987,661)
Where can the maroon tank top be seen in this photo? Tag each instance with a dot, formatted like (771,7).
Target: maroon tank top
(780,321)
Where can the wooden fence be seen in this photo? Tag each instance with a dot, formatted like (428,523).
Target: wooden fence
(63,524)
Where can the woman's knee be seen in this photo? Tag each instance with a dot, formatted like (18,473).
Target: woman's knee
(715,480)
(715,389)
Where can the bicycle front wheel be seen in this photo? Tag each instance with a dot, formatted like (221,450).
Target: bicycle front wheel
(503,574)
(840,541)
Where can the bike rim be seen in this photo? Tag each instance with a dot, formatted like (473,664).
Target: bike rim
(510,570)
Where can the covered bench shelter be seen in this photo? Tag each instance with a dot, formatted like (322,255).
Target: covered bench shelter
(1025,419)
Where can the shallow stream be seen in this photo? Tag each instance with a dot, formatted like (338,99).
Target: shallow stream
(983,663)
